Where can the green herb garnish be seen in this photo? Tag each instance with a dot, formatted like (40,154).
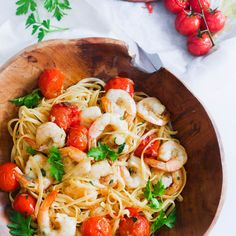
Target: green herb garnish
(30,100)
(20,225)
(101,152)
(121,148)
(31,151)
(56,165)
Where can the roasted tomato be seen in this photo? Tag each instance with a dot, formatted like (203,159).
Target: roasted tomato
(133,211)
(121,83)
(199,44)
(152,150)
(194,4)
(51,83)
(135,226)
(24,204)
(187,23)
(215,21)
(176,6)
(78,137)
(64,115)
(8,182)
(96,226)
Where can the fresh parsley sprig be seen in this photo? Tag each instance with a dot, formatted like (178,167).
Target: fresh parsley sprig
(31,151)
(162,220)
(41,26)
(101,152)
(30,100)
(56,165)
(151,192)
(20,225)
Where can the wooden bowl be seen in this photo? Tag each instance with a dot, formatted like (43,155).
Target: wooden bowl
(106,58)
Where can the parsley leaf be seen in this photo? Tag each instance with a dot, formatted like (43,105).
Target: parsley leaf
(101,152)
(31,151)
(121,148)
(57,7)
(155,203)
(20,225)
(148,191)
(31,100)
(56,165)
(162,220)
(159,189)
(24,6)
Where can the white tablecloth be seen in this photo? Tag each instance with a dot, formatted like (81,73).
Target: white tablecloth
(212,78)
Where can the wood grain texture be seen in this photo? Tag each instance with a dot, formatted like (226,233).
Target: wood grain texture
(105,58)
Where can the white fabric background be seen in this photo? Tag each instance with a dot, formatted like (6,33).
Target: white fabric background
(212,78)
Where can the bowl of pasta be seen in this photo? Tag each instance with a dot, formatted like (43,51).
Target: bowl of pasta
(91,145)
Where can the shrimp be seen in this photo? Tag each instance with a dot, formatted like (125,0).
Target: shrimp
(119,102)
(172,155)
(49,134)
(89,115)
(151,110)
(102,122)
(177,182)
(64,225)
(73,153)
(132,174)
(100,169)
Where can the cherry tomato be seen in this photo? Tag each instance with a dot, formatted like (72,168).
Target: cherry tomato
(133,211)
(135,226)
(187,23)
(194,4)
(121,83)
(152,150)
(24,204)
(51,83)
(96,226)
(8,182)
(64,115)
(215,21)
(78,137)
(176,6)
(199,45)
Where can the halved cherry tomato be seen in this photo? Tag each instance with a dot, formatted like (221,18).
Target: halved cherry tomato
(8,182)
(78,137)
(135,226)
(133,211)
(51,83)
(121,83)
(176,6)
(64,115)
(96,226)
(199,44)
(152,150)
(187,23)
(215,21)
(24,204)
(194,4)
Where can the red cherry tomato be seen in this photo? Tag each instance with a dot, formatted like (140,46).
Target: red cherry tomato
(24,204)
(96,226)
(78,137)
(187,23)
(176,6)
(51,83)
(199,45)
(152,150)
(194,4)
(64,115)
(8,182)
(135,226)
(121,83)
(215,21)
(132,211)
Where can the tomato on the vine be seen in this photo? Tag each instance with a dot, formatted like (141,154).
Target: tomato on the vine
(96,226)
(199,44)
(24,203)
(51,83)
(215,20)
(8,181)
(194,4)
(176,6)
(187,22)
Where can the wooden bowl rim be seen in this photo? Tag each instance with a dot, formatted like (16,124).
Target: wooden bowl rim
(103,40)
